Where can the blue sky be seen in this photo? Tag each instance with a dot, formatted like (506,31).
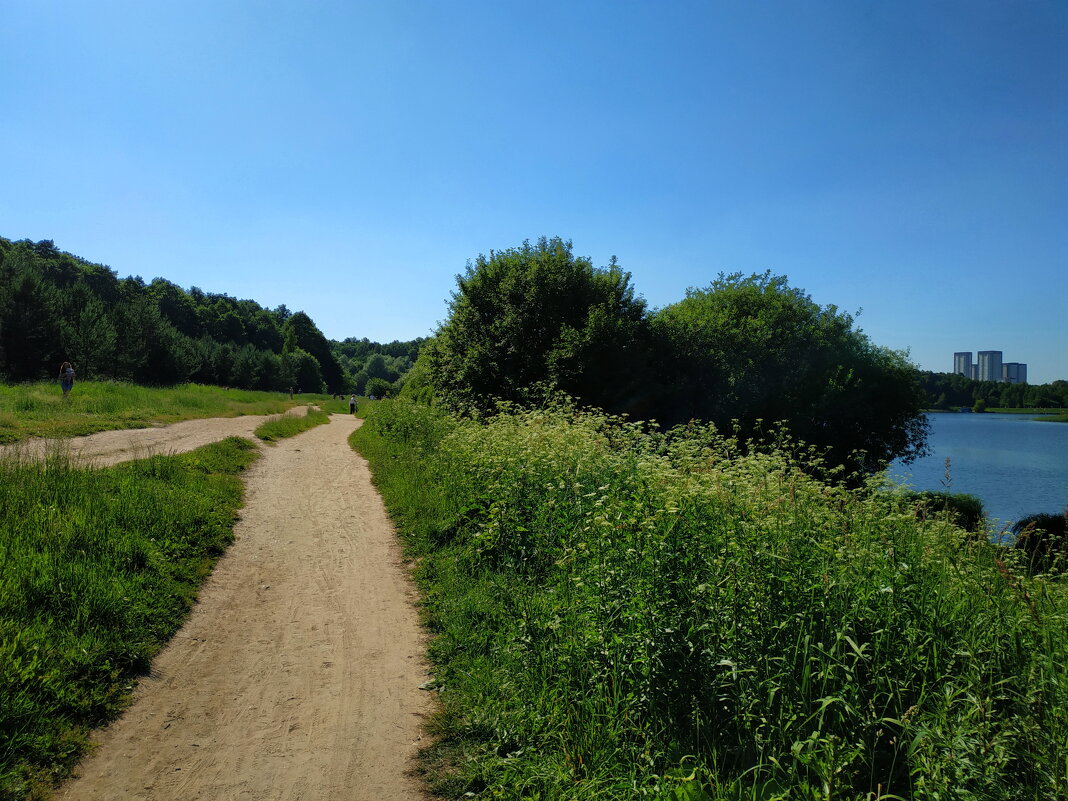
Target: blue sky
(909,159)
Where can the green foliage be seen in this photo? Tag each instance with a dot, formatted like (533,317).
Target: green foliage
(55,307)
(979,405)
(100,567)
(536,316)
(362,359)
(963,510)
(959,391)
(378,388)
(749,351)
(301,336)
(302,371)
(289,425)
(619,613)
(750,354)
(1044,538)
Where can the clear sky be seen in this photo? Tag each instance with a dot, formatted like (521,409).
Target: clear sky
(347,158)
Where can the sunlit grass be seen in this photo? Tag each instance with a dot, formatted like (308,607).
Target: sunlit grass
(98,568)
(39,410)
(620,614)
(291,424)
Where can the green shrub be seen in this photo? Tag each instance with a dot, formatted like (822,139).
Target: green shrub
(621,614)
(1044,538)
(962,509)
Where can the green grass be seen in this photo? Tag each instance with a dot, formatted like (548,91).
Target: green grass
(39,410)
(342,406)
(289,425)
(1053,418)
(1029,411)
(619,614)
(98,568)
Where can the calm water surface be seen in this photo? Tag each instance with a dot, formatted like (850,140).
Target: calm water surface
(1018,466)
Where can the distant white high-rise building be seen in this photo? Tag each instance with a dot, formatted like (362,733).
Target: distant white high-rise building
(962,363)
(990,365)
(1014,372)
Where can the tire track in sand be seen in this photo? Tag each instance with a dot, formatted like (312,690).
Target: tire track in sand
(296,676)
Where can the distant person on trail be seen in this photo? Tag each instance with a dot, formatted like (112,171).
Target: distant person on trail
(352,404)
(66,378)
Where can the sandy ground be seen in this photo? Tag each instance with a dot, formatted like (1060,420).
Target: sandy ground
(111,447)
(297,675)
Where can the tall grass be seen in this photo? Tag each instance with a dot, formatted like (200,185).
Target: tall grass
(289,425)
(39,410)
(620,614)
(97,569)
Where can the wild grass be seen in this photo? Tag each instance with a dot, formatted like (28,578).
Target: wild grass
(342,406)
(619,614)
(1053,418)
(39,410)
(98,568)
(289,425)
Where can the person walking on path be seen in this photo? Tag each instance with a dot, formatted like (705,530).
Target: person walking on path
(352,404)
(66,378)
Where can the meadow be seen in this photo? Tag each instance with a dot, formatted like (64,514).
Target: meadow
(618,613)
(39,409)
(98,568)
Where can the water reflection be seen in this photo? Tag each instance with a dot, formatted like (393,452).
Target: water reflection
(1018,466)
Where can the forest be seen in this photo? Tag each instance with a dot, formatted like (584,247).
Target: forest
(949,390)
(56,307)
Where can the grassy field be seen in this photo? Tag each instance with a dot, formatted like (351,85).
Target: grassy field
(618,614)
(39,410)
(98,568)
(289,425)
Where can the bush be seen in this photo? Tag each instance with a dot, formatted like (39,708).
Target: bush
(961,508)
(379,387)
(620,613)
(1044,538)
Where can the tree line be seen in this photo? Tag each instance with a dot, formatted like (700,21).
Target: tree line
(949,390)
(55,307)
(749,353)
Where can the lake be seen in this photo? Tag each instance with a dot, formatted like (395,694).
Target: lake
(1018,466)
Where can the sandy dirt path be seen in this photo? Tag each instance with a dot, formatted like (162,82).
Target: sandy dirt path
(110,447)
(297,675)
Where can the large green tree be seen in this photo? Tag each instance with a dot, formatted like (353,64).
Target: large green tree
(753,351)
(301,333)
(537,317)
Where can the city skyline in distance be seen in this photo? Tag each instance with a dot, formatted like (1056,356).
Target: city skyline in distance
(989,366)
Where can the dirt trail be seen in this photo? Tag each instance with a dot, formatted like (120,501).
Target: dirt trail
(111,447)
(297,675)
